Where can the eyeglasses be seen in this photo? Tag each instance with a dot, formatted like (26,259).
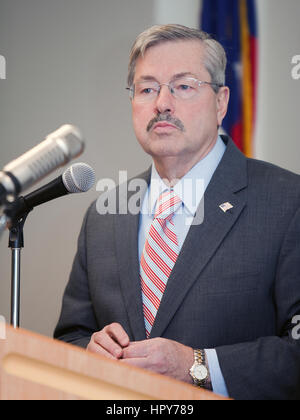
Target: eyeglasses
(184,88)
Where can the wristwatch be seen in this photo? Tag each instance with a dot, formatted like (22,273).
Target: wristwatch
(199,371)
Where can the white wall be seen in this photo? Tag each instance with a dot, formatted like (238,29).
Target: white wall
(185,12)
(277,137)
(278,102)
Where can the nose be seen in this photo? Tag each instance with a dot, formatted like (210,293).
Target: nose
(165,101)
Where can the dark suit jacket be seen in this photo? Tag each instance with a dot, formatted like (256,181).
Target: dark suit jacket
(235,286)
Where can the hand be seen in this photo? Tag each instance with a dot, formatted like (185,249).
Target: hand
(109,342)
(162,356)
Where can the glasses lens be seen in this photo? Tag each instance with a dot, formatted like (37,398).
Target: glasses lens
(146,91)
(185,88)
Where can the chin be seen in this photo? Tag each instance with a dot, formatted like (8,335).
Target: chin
(164,146)
(166,152)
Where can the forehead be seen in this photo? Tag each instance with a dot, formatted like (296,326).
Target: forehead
(164,60)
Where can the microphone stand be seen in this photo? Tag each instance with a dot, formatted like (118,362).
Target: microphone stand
(16,243)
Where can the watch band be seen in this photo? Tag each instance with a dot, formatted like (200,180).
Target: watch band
(199,357)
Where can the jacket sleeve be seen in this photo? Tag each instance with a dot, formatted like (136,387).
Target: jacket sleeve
(77,321)
(269,368)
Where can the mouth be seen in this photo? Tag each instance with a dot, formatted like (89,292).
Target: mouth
(161,126)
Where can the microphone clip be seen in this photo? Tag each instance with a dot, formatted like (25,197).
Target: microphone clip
(16,233)
(16,211)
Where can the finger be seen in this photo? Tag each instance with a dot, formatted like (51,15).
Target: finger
(117,333)
(96,349)
(105,342)
(136,350)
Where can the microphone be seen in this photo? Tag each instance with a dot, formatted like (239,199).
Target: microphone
(79,178)
(59,148)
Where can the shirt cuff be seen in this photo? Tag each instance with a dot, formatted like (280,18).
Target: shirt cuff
(217,378)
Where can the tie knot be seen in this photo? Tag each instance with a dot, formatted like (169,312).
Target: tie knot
(167,204)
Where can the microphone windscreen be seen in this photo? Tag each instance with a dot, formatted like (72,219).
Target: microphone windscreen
(78,178)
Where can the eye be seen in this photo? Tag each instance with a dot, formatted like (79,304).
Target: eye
(184,87)
(146,91)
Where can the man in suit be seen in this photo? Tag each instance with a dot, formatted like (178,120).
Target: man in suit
(201,283)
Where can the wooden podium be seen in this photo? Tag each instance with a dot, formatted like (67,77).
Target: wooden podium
(33,367)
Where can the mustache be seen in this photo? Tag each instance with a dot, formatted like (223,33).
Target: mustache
(166,117)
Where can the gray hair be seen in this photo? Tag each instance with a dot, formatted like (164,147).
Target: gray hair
(215,60)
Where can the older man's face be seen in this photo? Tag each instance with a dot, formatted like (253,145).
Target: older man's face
(191,129)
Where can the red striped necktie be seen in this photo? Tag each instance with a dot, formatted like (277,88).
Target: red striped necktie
(159,256)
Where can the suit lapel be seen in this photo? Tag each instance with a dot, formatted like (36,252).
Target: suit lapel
(227,185)
(126,236)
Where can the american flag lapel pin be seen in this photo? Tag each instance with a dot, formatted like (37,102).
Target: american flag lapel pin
(225,207)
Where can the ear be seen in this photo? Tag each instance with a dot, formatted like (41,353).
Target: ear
(222,103)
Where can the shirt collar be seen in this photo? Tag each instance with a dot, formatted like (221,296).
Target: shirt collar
(191,188)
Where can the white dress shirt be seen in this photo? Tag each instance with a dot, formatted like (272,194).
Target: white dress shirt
(190,189)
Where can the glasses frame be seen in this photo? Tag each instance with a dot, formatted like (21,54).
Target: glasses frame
(169,85)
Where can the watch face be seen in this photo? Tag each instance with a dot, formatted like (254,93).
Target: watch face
(200,372)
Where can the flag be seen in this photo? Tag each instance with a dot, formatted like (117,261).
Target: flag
(233,23)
